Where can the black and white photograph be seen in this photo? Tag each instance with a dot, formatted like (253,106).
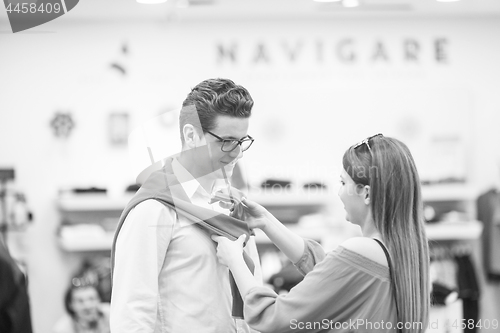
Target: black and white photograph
(249,166)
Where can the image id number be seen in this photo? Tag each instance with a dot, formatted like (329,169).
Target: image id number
(33,8)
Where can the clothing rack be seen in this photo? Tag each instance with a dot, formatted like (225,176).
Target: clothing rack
(450,250)
(453,266)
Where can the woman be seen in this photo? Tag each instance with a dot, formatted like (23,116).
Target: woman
(86,313)
(375,283)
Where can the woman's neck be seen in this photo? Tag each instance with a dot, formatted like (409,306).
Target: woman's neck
(369,229)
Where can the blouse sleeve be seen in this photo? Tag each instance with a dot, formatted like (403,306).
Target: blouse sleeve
(331,293)
(313,254)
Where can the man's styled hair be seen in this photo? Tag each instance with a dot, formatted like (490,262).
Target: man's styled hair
(212,98)
(396,204)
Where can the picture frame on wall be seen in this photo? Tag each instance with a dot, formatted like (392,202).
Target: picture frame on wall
(118,128)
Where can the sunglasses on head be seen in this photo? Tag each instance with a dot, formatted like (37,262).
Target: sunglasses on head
(366,142)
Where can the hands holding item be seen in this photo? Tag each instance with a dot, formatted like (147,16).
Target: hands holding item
(229,251)
(228,198)
(254,214)
(247,210)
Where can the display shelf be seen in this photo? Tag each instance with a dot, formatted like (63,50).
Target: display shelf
(77,208)
(85,244)
(92,202)
(469,230)
(85,237)
(291,198)
(316,233)
(449,192)
(435,232)
(85,202)
(298,203)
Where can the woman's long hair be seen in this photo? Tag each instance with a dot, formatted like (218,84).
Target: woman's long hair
(396,204)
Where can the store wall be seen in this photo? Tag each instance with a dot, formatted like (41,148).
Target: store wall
(319,87)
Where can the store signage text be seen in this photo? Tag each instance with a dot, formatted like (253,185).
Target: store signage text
(343,51)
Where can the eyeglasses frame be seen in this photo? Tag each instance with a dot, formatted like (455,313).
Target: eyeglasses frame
(240,141)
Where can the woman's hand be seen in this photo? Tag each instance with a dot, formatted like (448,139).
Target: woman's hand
(242,208)
(254,214)
(231,254)
(229,251)
(227,198)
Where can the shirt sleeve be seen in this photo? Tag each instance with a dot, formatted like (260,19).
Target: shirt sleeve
(327,294)
(141,247)
(313,254)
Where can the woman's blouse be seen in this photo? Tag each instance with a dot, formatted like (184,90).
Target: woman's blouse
(342,291)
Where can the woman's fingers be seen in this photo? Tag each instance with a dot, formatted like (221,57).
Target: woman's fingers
(225,205)
(248,203)
(217,238)
(241,240)
(227,250)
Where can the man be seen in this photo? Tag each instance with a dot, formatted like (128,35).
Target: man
(166,276)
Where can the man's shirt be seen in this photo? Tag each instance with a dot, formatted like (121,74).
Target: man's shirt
(167,277)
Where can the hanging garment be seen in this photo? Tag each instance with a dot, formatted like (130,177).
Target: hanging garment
(488,212)
(445,272)
(14,301)
(441,294)
(468,290)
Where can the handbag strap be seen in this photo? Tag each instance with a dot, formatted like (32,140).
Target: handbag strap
(390,275)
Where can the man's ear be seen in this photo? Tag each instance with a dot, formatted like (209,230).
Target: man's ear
(191,137)
(366,194)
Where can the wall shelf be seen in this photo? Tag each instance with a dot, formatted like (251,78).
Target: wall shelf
(439,231)
(84,202)
(290,204)
(101,241)
(95,202)
(87,244)
(92,202)
(449,192)
(84,237)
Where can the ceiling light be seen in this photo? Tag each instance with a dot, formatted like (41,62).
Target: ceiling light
(151,1)
(182,3)
(327,0)
(350,3)
(447,0)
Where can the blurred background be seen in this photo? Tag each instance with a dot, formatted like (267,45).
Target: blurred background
(324,75)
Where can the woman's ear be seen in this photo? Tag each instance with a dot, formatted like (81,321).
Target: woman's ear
(366,194)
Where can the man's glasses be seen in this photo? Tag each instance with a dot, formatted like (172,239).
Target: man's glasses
(229,145)
(367,142)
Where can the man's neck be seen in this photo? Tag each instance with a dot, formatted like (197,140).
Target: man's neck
(206,181)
